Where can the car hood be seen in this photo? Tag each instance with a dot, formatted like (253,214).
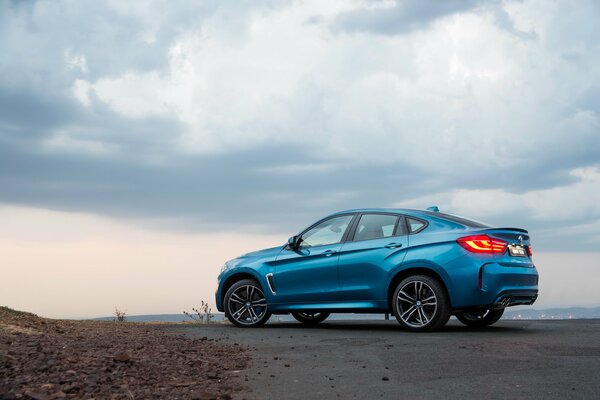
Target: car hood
(265,255)
(271,251)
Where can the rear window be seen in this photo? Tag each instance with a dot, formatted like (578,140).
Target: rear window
(375,226)
(460,220)
(415,225)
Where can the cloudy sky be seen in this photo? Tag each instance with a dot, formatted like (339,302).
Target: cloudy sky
(143,145)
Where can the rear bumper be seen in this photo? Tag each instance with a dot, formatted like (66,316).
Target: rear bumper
(502,285)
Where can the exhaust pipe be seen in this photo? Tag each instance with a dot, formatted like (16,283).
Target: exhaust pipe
(503,303)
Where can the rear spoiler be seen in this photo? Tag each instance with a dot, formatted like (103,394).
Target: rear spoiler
(506,229)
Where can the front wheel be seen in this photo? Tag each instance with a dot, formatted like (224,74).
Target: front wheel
(246,304)
(420,304)
(481,318)
(310,318)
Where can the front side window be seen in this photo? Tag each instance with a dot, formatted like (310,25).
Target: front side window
(327,232)
(375,226)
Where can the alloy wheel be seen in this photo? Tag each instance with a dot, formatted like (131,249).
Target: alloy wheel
(416,303)
(476,316)
(310,317)
(247,305)
(480,318)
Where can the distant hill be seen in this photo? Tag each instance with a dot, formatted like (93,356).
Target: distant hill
(553,313)
(518,313)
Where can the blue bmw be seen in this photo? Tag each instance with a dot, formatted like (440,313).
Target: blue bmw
(421,265)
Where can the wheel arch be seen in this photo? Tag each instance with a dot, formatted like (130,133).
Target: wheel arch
(410,271)
(236,277)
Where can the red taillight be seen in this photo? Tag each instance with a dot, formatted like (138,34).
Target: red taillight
(483,244)
(529,250)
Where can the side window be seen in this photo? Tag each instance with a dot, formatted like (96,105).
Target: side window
(415,225)
(327,232)
(375,226)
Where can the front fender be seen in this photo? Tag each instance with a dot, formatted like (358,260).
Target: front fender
(228,278)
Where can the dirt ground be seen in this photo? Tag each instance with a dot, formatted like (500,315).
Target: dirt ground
(56,359)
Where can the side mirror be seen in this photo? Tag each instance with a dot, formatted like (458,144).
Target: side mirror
(293,242)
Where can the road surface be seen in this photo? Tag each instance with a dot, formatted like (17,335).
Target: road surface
(376,359)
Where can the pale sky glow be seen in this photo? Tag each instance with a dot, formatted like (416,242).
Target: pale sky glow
(74,265)
(162,139)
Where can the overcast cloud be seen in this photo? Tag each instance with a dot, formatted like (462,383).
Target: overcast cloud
(262,116)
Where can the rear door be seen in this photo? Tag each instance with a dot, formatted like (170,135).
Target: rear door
(377,244)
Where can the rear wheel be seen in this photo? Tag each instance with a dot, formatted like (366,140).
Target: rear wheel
(310,318)
(246,304)
(421,304)
(481,318)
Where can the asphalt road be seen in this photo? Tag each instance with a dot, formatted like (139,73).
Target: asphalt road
(376,359)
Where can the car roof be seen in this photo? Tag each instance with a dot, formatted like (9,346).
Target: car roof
(406,211)
(424,214)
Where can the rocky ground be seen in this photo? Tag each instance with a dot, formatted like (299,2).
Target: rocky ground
(54,359)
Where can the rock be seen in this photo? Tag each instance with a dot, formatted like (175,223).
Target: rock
(7,358)
(8,396)
(182,383)
(203,395)
(71,387)
(122,358)
(36,396)
(89,388)
(212,375)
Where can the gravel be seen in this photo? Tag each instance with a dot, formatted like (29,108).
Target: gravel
(46,359)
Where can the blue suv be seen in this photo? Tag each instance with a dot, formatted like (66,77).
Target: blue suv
(420,265)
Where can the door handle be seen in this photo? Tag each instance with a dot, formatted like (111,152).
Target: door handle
(328,253)
(393,245)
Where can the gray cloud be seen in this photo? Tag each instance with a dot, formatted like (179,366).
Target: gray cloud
(116,37)
(349,131)
(400,18)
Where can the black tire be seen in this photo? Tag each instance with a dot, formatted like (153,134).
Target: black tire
(310,318)
(481,318)
(246,305)
(420,304)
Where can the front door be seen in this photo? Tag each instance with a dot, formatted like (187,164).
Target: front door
(309,274)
